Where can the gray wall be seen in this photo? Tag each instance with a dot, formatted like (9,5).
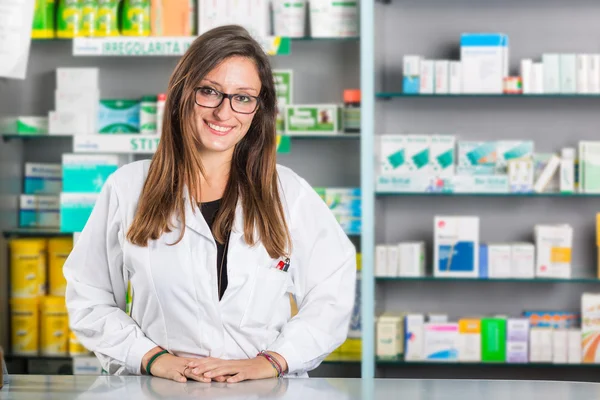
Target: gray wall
(432,28)
(323,69)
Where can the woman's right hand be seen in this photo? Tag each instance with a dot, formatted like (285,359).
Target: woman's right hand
(169,366)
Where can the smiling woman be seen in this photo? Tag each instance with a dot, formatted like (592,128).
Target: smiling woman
(212,237)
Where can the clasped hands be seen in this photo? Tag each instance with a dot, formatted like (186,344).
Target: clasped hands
(181,369)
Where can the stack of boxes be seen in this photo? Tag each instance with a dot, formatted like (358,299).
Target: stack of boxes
(39,205)
(406,259)
(77,97)
(84,176)
(346,206)
(536,337)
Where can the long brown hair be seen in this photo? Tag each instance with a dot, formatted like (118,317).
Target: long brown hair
(176,165)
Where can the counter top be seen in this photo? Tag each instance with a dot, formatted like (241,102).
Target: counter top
(142,388)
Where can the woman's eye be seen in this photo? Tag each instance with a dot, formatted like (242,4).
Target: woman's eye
(208,92)
(242,99)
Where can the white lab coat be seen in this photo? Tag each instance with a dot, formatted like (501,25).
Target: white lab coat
(175,301)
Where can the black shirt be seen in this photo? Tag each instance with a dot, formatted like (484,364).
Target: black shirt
(209,212)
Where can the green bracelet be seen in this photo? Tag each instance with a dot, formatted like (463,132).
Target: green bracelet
(154,357)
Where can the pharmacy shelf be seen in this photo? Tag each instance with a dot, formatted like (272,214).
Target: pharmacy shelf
(155,46)
(473,194)
(402,363)
(33,232)
(588,280)
(390,95)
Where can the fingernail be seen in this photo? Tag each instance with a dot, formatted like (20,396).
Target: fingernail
(208,375)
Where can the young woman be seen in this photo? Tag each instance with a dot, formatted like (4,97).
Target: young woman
(212,237)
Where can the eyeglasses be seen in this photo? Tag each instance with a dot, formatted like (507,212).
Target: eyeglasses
(212,98)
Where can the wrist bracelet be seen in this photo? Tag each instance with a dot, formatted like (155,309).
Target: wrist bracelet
(274,363)
(154,357)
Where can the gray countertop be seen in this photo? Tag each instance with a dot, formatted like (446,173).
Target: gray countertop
(141,388)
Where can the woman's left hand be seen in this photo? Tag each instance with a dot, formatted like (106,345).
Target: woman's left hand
(231,371)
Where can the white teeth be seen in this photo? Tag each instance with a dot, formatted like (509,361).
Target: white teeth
(218,128)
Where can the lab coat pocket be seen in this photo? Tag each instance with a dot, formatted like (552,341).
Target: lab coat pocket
(267,293)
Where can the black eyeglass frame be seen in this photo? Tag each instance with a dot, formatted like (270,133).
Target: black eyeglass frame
(225,96)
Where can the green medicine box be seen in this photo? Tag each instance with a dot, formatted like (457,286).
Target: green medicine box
(284,89)
(493,340)
(318,119)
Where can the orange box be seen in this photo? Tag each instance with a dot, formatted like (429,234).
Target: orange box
(172,17)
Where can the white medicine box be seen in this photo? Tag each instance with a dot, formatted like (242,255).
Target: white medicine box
(456,246)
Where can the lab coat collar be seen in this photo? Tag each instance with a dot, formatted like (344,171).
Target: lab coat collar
(195,220)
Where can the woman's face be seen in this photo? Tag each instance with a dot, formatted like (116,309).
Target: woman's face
(221,128)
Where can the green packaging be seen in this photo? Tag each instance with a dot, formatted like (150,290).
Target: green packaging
(68,19)
(284,90)
(493,340)
(43,20)
(119,116)
(107,19)
(148,114)
(135,18)
(89,14)
(319,119)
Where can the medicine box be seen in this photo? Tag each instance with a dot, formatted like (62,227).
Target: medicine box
(312,119)
(499,258)
(86,173)
(455,77)
(392,154)
(284,89)
(517,352)
(381,269)
(411,259)
(589,166)
(393,261)
(590,328)
(442,155)
(24,125)
(119,116)
(568,73)
(484,59)
(43,178)
(39,211)
(517,330)
(553,244)
(493,340)
(594,74)
(522,261)
(68,123)
(442,76)
(574,346)
(521,175)
(469,340)
(411,74)
(390,336)
(441,342)
(75,209)
(483,261)
(508,150)
(456,246)
(477,157)
(414,328)
(560,346)
(77,79)
(540,345)
(583,74)
(552,80)
(427,77)
(251,14)
(553,319)
(416,150)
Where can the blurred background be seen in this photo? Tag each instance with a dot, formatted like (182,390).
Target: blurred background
(454,141)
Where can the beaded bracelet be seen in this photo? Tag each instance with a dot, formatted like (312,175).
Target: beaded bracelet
(274,363)
(154,357)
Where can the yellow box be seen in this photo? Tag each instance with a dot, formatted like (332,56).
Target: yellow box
(351,346)
(560,255)
(75,346)
(58,251)
(54,321)
(25,326)
(27,268)
(469,325)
